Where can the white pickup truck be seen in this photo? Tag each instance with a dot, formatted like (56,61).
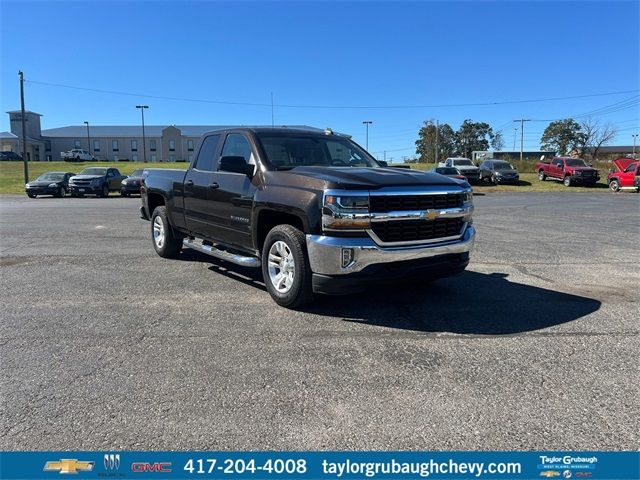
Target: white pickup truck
(76,155)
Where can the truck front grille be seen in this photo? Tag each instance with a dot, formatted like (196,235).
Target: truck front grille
(417,230)
(395,203)
(82,183)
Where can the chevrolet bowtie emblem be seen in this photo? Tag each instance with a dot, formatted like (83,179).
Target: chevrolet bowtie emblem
(549,474)
(65,465)
(430,214)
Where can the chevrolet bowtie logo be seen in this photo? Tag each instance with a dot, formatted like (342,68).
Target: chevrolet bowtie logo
(430,214)
(549,474)
(65,465)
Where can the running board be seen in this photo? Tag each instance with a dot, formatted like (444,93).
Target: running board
(222,254)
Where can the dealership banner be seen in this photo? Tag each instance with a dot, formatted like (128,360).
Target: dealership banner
(320,465)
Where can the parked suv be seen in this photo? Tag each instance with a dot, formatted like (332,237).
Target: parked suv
(498,171)
(466,167)
(76,155)
(312,209)
(96,181)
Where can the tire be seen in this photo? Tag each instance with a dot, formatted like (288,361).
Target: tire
(61,193)
(77,159)
(614,185)
(123,193)
(105,191)
(285,248)
(542,176)
(567,181)
(31,195)
(494,180)
(166,242)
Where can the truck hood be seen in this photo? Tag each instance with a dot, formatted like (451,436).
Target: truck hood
(371,178)
(622,164)
(86,177)
(467,168)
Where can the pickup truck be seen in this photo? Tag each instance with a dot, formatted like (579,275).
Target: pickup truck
(76,155)
(569,170)
(466,167)
(625,175)
(310,208)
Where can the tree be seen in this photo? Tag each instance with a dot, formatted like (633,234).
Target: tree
(595,135)
(497,141)
(426,143)
(473,136)
(562,136)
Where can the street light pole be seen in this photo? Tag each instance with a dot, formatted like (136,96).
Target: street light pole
(144,146)
(367,123)
(24,129)
(522,120)
(88,139)
(635,135)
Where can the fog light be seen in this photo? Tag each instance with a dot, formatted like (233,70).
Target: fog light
(347,257)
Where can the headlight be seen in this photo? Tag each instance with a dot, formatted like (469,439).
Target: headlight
(53,185)
(26,185)
(348,212)
(498,174)
(577,172)
(467,196)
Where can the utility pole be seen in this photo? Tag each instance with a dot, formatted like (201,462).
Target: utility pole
(24,129)
(522,120)
(88,138)
(635,135)
(144,147)
(436,155)
(272,117)
(367,123)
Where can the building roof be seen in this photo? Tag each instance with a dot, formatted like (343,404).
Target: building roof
(80,131)
(26,111)
(8,135)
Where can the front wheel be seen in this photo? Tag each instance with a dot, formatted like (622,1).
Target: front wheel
(285,267)
(123,193)
(61,192)
(567,181)
(542,176)
(31,195)
(614,185)
(105,191)
(494,180)
(166,242)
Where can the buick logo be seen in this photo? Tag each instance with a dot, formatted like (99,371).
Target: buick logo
(111,461)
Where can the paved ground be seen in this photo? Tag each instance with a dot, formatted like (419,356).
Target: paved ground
(105,345)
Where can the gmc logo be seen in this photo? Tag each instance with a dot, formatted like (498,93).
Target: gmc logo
(164,467)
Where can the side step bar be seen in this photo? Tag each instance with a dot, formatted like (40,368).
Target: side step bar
(222,254)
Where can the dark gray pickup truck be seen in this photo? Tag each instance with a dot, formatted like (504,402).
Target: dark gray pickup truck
(311,208)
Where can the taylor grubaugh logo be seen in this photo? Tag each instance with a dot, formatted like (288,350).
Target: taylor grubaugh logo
(68,465)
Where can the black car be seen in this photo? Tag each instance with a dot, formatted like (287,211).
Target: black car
(131,184)
(50,183)
(498,171)
(10,157)
(96,181)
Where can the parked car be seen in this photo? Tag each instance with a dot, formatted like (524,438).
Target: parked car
(313,210)
(10,157)
(568,169)
(50,183)
(627,171)
(96,181)
(449,172)
(131,184)
(466,167)
(76,155)
(498,171)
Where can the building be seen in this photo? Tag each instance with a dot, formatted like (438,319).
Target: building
(163,143)
(479,156)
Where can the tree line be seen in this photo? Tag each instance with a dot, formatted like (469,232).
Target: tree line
(439,141)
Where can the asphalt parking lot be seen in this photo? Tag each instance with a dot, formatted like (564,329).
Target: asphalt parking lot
(105,345)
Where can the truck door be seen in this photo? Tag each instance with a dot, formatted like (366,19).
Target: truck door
(233,197)
(199,191)
(556,168)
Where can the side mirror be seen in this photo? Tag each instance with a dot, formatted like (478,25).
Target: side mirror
(383,163)
(235,164)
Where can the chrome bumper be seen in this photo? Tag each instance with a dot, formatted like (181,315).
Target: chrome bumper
(326,253)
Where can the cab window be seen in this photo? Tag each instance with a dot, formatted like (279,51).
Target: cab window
(205,159)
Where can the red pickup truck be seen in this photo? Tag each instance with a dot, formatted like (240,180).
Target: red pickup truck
(568,169)
(625,176)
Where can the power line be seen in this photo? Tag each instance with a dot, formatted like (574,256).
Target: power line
(257,104)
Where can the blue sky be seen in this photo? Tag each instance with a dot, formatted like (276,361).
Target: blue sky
(317,55)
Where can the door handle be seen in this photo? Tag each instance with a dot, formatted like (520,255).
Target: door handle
(188,183)
(213,186)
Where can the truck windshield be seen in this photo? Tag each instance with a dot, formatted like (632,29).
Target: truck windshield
(575,162)
(94,171)
(285,152)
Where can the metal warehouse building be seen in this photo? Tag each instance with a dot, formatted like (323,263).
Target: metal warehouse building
(164,143)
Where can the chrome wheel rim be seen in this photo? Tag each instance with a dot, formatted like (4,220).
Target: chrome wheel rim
(281,266)
(158,232)
(613,186)
(541,176)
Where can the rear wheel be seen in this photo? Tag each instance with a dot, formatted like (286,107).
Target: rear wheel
(542,176)
(123,193)
(285,267)
(614,185)
(567,181)
(166,241)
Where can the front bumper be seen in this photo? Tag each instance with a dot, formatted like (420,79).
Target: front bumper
(130,188)
(326,253)
(43,190)
(512,180)
(585,179)
(85,190)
